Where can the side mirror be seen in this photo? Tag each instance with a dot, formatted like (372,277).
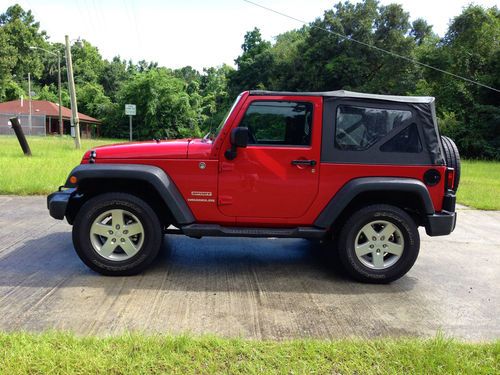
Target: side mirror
(239,138)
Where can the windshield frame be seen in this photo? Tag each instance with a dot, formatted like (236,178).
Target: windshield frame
(224,120)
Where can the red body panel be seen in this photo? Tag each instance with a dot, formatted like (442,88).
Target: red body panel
(262,183)
(172,149)
(199,149)
(260,186)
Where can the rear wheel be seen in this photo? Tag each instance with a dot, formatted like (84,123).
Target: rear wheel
(117,234)
(378,244)
(452,158)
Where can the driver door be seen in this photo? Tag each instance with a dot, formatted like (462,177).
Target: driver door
(277,174)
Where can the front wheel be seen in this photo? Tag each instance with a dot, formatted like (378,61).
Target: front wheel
(117,234)
(378,244)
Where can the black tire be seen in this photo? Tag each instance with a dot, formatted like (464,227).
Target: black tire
(347,239)
(153,234)
(452,158)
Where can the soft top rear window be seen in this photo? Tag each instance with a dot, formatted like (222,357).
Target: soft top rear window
(358,128)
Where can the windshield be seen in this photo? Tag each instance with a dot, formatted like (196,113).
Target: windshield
(221,125)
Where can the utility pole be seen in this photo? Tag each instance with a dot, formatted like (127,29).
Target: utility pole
(72,93)
(61,125)
(29,102)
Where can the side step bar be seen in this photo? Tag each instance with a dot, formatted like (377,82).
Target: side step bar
(214,230)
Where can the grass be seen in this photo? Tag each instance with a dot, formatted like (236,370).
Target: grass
(54,157)
(480,184)
(63,353)
(52,160)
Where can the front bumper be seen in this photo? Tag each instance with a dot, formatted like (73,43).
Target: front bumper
(57,203)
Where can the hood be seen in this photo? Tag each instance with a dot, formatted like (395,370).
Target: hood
(170,149)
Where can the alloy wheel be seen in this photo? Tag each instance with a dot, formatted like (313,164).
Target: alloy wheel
(117,235)
(379,244)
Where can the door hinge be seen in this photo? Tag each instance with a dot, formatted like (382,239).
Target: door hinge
(225,199)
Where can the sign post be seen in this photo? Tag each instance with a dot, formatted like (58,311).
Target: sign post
(130,110)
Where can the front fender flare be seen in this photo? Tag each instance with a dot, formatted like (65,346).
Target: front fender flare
(155,176)
(372,184)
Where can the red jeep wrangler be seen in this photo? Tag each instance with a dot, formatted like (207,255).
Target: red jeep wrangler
(358,171)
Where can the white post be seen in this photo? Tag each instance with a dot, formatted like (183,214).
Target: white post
(130,126)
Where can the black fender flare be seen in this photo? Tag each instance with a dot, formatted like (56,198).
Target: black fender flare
(353,188)
(155,176)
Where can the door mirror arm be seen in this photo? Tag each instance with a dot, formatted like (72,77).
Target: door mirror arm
(239,138)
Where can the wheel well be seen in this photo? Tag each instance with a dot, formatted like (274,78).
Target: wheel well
(90,188)
(407,201)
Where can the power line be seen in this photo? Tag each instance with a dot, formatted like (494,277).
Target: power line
(374,47)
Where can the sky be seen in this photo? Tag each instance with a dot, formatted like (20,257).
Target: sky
(194,32)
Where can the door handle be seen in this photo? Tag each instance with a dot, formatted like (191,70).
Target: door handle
(312,163)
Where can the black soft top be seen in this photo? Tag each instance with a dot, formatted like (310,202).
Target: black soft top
(347,94)
(424,107)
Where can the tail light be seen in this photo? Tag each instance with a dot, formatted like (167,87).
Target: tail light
(450,178)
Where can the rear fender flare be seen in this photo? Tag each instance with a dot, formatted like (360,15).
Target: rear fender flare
(353,188)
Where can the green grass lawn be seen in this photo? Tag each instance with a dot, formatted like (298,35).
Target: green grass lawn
(480,185)
(61,353)
(52,160)
(54,157)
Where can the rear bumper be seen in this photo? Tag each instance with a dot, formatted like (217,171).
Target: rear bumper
(58,202)
(443,223)
(440,224)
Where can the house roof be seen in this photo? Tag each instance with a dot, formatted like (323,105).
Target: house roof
(43,107)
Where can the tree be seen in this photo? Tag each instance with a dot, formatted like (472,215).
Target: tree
(421,30)
(188,74)
(215,95)
(92,100)
(114,75)
(163,107)
(470,48)
(287,60)
(8,60)
(21,31)
(88,65)
(253,65)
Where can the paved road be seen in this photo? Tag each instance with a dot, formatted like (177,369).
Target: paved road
(271,289)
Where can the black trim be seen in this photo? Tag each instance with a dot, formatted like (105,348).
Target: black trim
(371,184)
(440,224)
(449,201)
(148,173)
(58,202)
(214,230)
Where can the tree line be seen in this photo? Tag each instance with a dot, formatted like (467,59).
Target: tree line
(185,102)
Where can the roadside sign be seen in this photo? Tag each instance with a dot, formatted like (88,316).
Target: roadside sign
(130,109)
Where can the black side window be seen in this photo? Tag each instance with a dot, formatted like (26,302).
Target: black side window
(407,140)
(358,128)
(279,123)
